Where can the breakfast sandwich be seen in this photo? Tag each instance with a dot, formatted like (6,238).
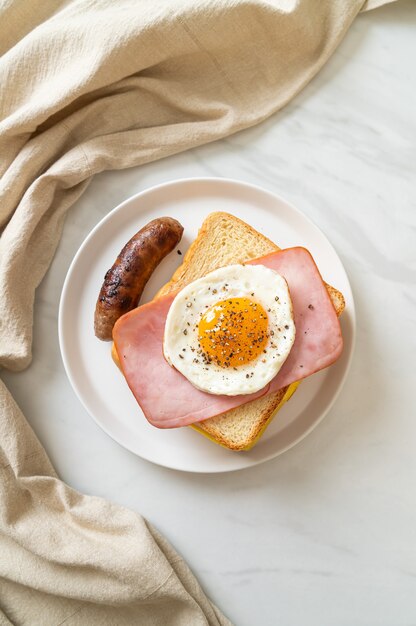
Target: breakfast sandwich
(227,341)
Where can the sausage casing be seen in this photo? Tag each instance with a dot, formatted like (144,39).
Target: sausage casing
(125,281)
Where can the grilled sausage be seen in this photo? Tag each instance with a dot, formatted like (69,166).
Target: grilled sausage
(124,283)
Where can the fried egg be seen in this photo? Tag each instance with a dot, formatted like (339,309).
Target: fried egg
(230,332)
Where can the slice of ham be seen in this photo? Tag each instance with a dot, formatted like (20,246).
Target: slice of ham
(169,400)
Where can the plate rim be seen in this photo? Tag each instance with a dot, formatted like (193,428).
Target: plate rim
(109,216)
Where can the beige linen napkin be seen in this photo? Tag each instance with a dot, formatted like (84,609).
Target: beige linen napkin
(85,86)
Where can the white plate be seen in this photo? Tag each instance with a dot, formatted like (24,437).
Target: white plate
(100,386)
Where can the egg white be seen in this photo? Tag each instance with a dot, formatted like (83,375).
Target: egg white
(180,343)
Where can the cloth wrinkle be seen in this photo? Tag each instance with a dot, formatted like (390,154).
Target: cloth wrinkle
(162,584)
(200,45)
(70,616)
(88,170)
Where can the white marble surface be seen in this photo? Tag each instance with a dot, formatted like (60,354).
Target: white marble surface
(326,534)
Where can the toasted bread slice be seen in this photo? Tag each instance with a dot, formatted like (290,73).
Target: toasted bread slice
(223,240)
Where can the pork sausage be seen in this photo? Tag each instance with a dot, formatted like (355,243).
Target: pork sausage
(124,282)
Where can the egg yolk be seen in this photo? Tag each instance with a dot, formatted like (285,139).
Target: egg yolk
(233,332)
